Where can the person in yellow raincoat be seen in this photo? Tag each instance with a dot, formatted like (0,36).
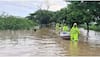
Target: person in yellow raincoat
(57,27)
(74,32)
(65,28)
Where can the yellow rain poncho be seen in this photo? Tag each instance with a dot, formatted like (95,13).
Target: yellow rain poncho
(74,33)
(65,28)
(57,27)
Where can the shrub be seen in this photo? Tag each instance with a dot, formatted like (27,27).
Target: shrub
(15,23)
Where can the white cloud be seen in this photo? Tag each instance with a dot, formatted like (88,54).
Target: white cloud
(54,5)
(24,7)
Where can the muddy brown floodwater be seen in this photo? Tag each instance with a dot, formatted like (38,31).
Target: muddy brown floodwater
(43,42)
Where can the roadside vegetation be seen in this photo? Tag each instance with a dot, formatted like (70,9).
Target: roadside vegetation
(77,11)
(15,23)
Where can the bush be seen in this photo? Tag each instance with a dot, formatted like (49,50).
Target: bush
(15,23)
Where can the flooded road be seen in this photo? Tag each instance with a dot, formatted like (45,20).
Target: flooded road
(44,42)
(93,39)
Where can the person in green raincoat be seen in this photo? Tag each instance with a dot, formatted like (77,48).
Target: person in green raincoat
(74,32)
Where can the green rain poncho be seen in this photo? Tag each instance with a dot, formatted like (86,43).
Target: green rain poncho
(74,33)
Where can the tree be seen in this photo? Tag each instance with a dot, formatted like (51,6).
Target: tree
(42,16)
(83,12)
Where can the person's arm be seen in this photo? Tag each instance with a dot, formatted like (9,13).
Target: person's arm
(71,30)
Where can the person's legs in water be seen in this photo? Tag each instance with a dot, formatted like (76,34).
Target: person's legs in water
(72,37)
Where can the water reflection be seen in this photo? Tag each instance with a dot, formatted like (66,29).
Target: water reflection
(94,37)
(74,48)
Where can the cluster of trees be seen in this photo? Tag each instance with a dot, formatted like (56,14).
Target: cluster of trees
(84,12)
(15,23)
(77,11)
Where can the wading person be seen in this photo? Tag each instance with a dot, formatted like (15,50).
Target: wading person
(65,28)
(57,27)
(74,32)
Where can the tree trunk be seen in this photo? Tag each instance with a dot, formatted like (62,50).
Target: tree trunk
(87,30)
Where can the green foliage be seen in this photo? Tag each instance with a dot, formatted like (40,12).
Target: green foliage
(79,12)
(61,15)
(92,27)
(96,28)
(15,23)
(41,16)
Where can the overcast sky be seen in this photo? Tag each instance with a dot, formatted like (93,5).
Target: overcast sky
(24,7)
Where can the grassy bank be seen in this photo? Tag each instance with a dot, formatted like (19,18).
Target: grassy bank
(15,23)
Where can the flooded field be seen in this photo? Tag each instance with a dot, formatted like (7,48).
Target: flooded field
(43,42)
